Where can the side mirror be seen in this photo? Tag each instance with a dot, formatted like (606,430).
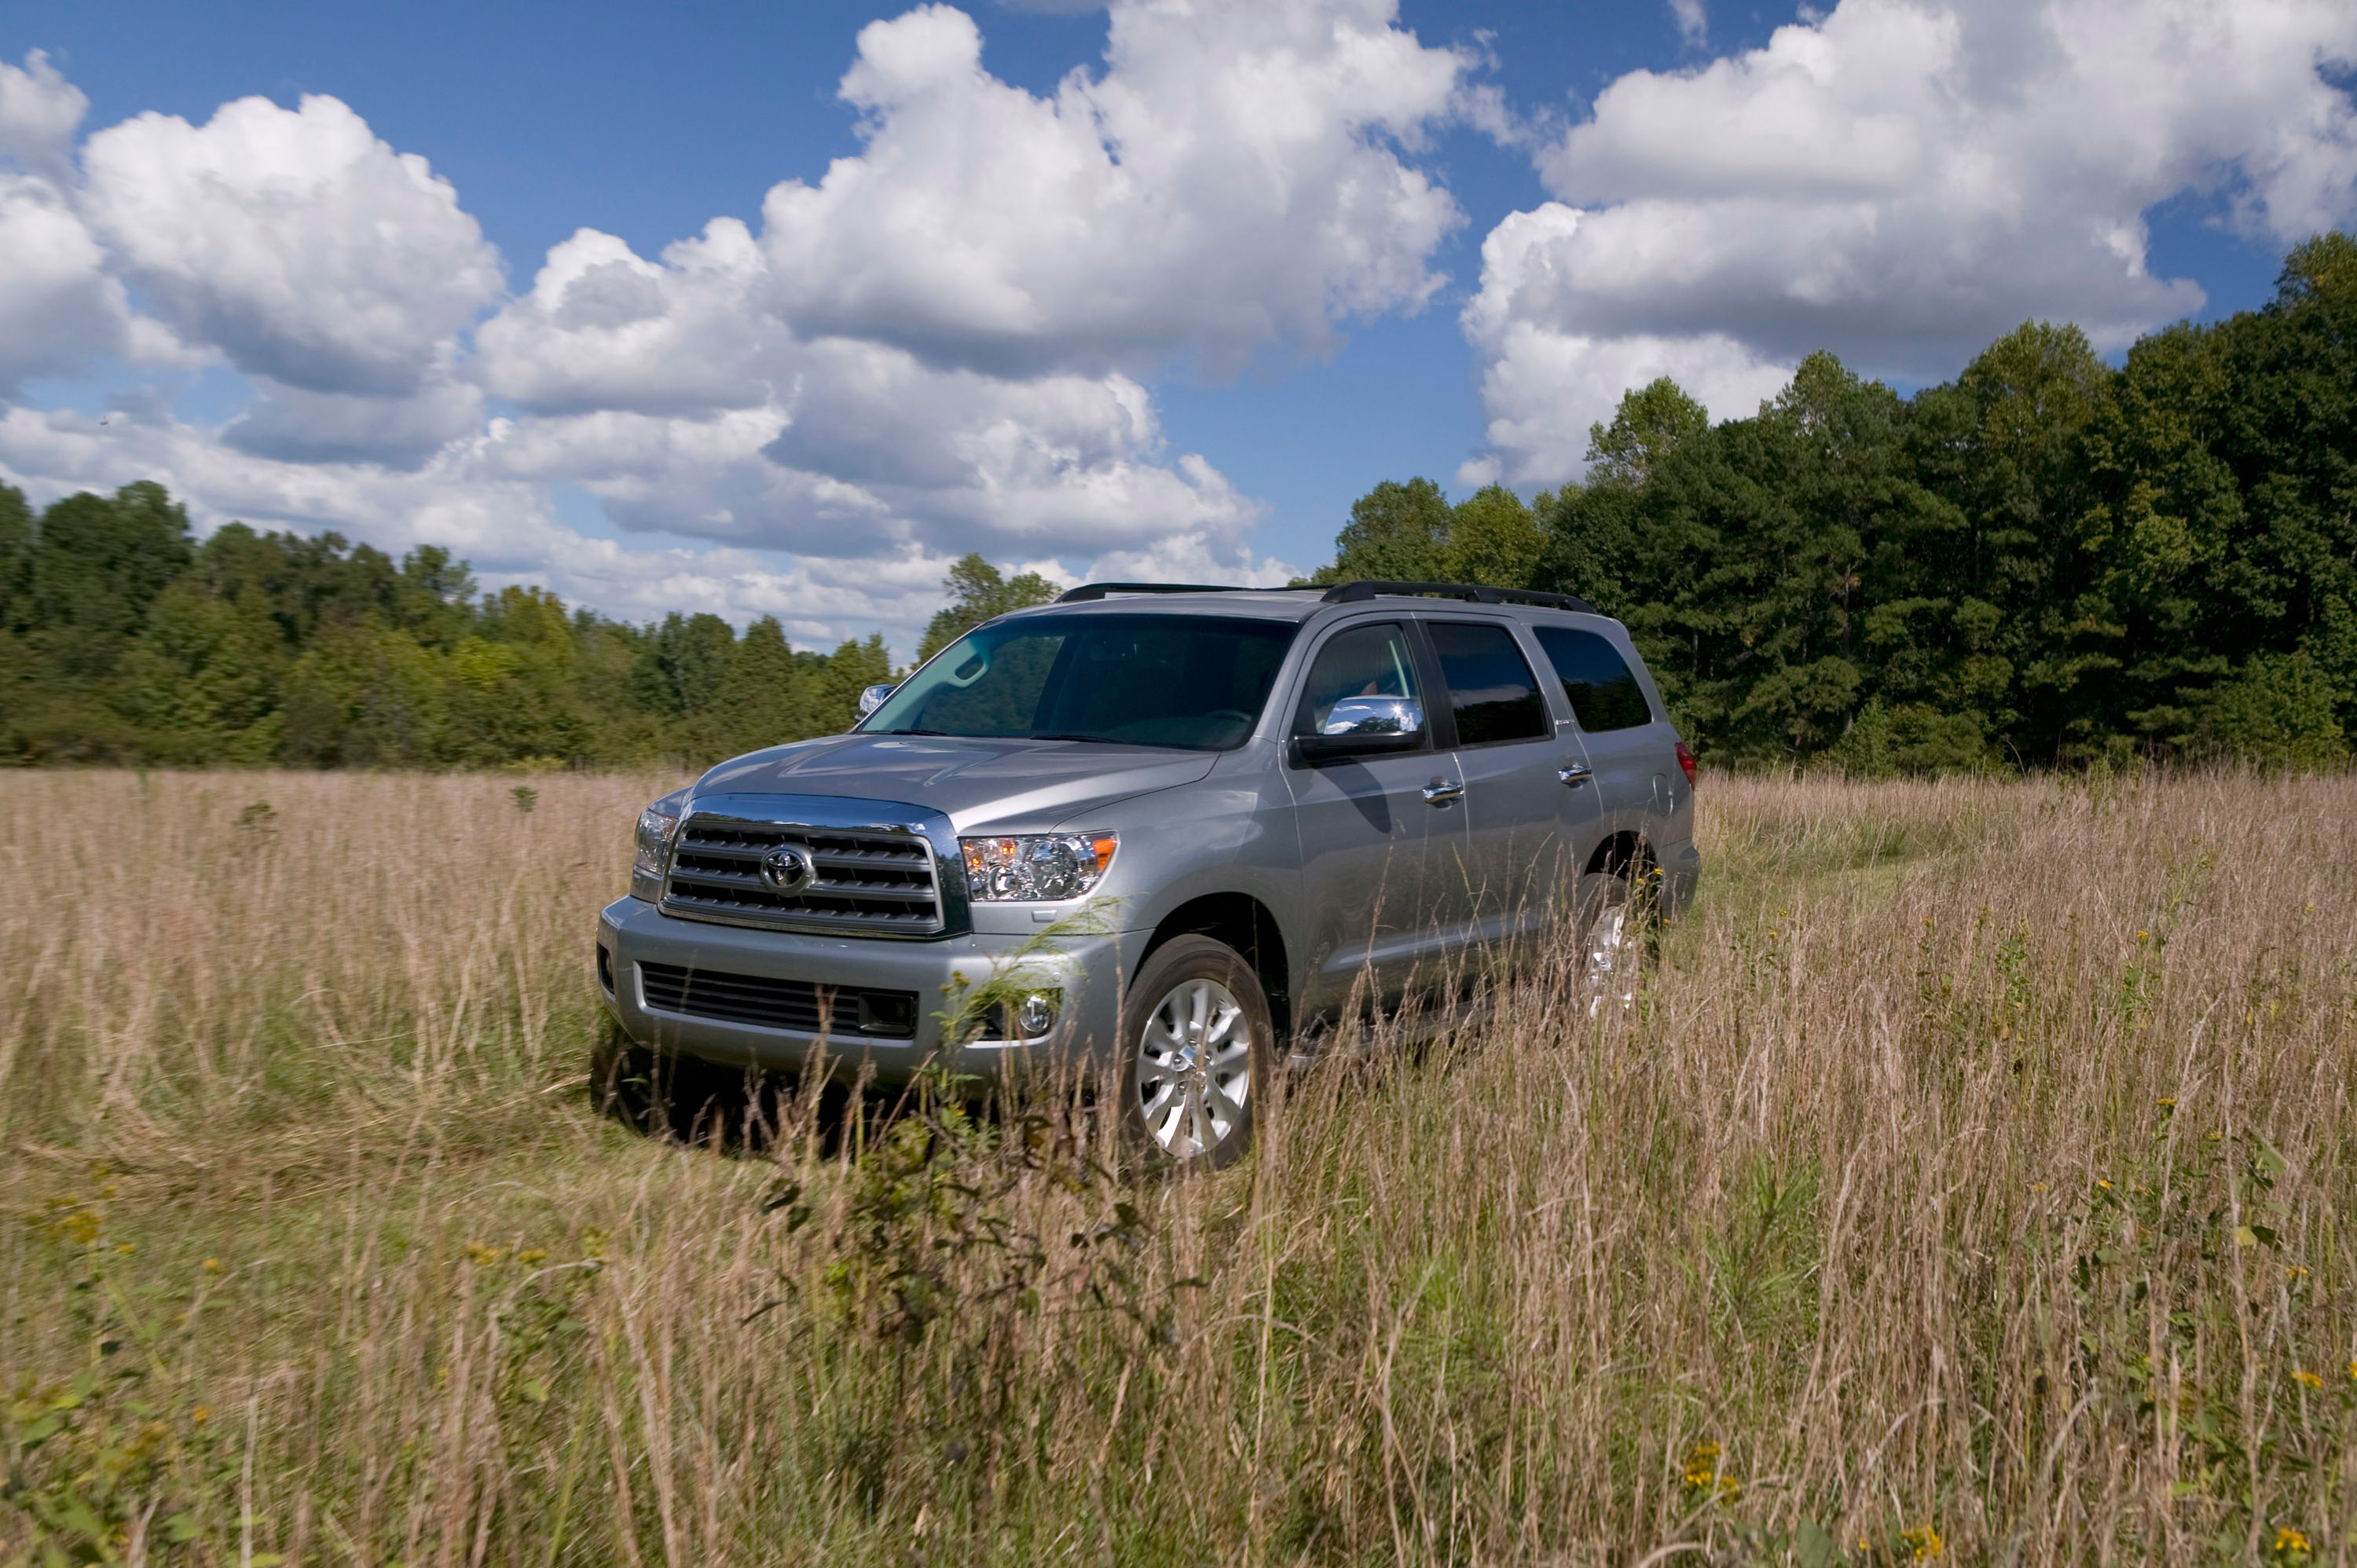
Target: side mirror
(873,698)
(1364,726)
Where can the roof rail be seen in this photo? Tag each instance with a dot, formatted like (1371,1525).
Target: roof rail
(1099,590)
(1357,592)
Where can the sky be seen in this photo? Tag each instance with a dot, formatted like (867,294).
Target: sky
(778,309)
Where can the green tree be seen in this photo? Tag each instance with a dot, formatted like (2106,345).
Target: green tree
(1494,539)
(2279,710)
(202,684)
(979,592)
(769,699)
(98,562)
(365,695)
(1651,422)
(850,669)
(1397,533)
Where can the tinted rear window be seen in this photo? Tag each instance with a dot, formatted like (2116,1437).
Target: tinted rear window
(1490,684)
(1602,688)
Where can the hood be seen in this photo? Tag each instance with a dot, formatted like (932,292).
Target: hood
(1016,784)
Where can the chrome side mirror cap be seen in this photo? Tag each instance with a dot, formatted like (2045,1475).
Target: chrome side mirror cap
(1362,726)
(873,698)
(1373,716)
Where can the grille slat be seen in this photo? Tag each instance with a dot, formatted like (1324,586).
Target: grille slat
(795,1004)
(876,882)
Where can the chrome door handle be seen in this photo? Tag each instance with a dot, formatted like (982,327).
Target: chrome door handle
(1440,792)
(1575,774)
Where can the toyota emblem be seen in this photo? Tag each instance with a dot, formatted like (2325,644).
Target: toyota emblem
(787,868)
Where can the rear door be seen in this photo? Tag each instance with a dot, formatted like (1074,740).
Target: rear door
(1626,746)
(1513,762)
(1375,831)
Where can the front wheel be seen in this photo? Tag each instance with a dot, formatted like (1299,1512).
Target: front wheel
(1199,1035)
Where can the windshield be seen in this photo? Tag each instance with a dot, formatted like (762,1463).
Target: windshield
(1195,682)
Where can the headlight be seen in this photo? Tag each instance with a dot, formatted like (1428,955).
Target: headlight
(1036,867)
(658,826)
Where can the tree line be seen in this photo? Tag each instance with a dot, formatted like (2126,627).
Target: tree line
(2045,562)
(123,640)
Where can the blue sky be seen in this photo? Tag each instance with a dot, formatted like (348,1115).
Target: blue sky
(1684,190)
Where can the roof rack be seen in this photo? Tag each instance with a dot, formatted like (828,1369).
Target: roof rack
(1344,593)
(1476,593)
(1099,590)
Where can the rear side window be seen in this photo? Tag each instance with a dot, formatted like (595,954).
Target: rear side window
(1598,684)
(1490,684)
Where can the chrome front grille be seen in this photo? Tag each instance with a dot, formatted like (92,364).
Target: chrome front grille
(874,881)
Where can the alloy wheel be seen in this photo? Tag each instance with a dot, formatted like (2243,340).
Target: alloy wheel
(1193,1071)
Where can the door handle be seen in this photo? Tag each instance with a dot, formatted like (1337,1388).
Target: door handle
(1440,792)
(1575,774)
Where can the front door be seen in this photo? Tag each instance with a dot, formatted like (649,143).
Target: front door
(1513,764)
(1374,829)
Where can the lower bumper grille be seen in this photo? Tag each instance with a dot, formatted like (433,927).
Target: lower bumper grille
(795,1004)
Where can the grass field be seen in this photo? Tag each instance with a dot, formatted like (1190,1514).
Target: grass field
(1972,1179)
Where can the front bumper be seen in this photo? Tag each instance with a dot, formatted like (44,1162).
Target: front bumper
(1088,970)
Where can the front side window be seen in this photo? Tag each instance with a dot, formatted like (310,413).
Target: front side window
(1598,684)
(1362,682)
(1192,682)
(1490,686)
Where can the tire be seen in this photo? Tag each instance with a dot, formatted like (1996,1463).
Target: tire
(623,1076)
(1182,1105)
(1617,921)
(651,1091)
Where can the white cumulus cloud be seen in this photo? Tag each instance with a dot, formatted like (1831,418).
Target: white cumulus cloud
(1900,182)
(294,241)
(39,112)
(1226,184)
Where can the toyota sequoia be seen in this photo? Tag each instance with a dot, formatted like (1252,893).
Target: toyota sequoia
(1179,831)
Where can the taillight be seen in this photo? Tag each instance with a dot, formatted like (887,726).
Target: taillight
(1686,761)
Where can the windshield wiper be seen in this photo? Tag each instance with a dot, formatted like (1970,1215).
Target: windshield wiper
(939,732)
(1093,740)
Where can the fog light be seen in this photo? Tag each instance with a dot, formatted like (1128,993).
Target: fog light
(1035,1016)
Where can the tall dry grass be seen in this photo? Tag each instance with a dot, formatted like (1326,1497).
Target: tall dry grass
(1973,1175)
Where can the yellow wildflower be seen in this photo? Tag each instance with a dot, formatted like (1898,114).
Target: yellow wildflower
(2166,1103)
(532,1256)
(200,1415)
(2307,1380)
(477,1252)
(1923,1542)
(1702,1472)
(212,1265)
(2290,1542)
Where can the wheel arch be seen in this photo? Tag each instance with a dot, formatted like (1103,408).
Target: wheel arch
(1245,924)
(1625,854)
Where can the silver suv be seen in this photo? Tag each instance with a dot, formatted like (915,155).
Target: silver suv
(1184,832)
